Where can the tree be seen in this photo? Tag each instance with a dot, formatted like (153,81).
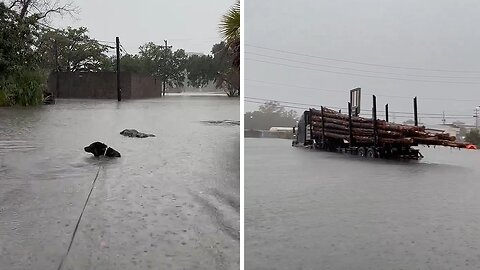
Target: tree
(217,68)
(164,64)
(227,76)
(132,63)
(473,137)
(269,115)
(40,9)
(21,82)
(201,70)
(229,79)
(230,29)
(76,50)
(17,40)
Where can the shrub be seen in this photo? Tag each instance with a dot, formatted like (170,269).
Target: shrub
(24,87)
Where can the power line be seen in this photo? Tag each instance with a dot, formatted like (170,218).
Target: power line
(397,116)
(365,110)
(361,63)
(123,48)
(343,91)
(358,75)
(361,70)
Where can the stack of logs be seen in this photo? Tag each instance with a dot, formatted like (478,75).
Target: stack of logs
(337,126)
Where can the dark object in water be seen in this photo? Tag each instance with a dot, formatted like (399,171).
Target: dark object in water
(101,149)
(135,133)
(48,98)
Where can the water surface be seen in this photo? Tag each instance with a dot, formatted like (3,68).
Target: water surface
(307,209)
(170,202)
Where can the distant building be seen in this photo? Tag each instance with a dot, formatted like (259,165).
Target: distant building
(451,129)
(194,53)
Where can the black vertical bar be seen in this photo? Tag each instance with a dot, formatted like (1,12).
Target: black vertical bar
(415,112)
(323,128)
(57,68)
(350,131)
(386,112)
(119,92)
(311,126)
(374,116)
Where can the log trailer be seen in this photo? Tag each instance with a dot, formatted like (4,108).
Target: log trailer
(330,130)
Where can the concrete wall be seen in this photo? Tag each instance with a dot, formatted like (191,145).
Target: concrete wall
(102,85)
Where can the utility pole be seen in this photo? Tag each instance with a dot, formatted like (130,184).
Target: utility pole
(386,112)
(119,91)
(57,67)
(415,112)
(476,117)
(164,79)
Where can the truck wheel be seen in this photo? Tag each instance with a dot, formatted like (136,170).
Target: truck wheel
(362,152)
(371,153)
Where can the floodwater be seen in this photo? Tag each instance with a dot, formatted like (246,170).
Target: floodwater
(170,201)
(307,209)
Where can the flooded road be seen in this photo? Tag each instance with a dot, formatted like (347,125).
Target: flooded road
(307,209)
(170,201)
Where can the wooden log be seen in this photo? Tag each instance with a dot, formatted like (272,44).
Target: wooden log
(435,141)
(329,113)
(363,139)
(409,130)
(357,131)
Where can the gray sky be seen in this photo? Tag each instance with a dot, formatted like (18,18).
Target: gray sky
(428,34)
(188,24)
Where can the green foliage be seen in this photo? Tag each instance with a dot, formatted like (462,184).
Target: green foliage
(229,81)
(473,137)
(17,39)
(270,114)
(230,29)
(76,50)
(230,24)
(24,88)
(21,81)
(164,64)
(132,63)
(200,70)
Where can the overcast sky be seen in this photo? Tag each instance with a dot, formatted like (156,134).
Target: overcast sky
(428,34)
(188,24)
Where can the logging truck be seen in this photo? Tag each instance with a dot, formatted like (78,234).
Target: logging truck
(331,130)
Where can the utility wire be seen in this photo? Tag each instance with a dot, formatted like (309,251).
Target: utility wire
(361,63)
(361,70)
(123,48)
(344,108)
(397,116)
(343,91)
(358,75)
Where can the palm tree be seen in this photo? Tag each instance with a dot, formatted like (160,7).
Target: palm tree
(230,29)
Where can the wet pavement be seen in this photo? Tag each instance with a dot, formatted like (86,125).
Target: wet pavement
(308,209)
(170,201)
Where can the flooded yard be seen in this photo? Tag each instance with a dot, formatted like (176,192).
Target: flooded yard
(170,201)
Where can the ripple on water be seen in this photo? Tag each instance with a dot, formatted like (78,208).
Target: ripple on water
(7,146)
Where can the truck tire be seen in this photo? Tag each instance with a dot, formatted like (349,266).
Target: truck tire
(362,152)
(371,153)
